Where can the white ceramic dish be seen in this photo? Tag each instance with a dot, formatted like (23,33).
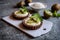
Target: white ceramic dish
(38,5)
(34,33)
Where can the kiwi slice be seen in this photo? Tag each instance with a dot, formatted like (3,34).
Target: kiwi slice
(35,18)
(18,12)
(23,10)
(47,13)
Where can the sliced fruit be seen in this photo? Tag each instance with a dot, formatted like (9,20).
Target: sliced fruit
(35,18)
(23,10)
(47,13)
(37,15)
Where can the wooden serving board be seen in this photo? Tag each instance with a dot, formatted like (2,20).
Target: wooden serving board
(46,27)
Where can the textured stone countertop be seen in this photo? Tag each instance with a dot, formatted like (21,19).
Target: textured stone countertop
(8,32)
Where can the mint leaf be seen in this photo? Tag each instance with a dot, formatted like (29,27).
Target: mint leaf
(55,14)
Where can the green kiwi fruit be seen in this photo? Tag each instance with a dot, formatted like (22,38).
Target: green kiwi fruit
(27,2)
(55,7)
(21,4)
(47,14)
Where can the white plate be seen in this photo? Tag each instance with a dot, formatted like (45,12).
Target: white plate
(34,33)
(42,5)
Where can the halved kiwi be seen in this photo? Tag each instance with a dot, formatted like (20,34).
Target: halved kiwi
(47,14)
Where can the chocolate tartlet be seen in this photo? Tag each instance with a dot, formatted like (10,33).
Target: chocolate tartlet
(33,22)
(21,14)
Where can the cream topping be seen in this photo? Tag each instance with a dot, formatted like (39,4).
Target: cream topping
(38,5)
(33,23)
(17,13)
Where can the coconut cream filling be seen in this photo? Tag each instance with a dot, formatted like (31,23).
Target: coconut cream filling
(38,5)
(20,14)
(33,23)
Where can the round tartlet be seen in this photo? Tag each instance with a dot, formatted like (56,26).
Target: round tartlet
(32,25)
(20,15)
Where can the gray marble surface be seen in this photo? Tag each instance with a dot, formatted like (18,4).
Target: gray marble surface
(8,32)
